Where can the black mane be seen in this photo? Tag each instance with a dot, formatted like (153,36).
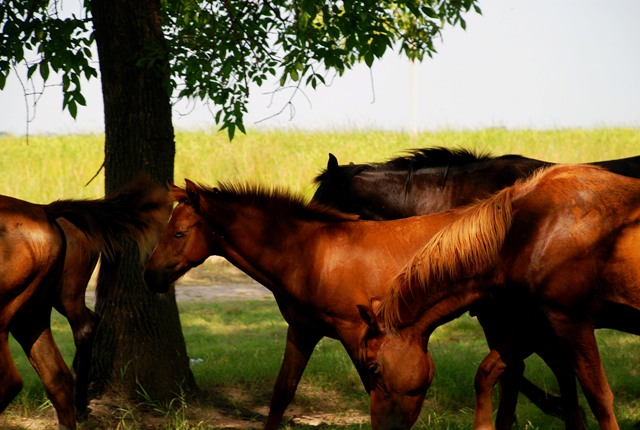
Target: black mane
(415,159)
(433,157)
(276,199)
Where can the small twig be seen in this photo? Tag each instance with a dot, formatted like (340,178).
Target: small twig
(96,175)
(289,103)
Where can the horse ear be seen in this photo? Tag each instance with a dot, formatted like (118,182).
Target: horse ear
(193,194)
(369,318)
(177,193)
(332,163)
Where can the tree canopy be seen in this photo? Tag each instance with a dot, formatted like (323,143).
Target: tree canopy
(219,48)
(210,50)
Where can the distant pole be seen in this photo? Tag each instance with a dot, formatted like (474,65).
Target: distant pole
(412,126)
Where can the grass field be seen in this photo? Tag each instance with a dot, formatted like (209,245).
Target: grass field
(51,167)
(253,333)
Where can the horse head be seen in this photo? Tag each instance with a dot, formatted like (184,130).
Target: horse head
(186,241)
(400,372)
(335,186)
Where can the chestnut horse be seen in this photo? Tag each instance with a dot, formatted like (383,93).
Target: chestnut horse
(565,240)
(45,268)
(319,264)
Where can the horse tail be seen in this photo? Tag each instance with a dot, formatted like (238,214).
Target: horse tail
(139,211)
(469,246)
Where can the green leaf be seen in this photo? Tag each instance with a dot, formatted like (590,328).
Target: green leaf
(368,58)
(73,108)
(44,70)
(80,99)
(31,70)
(427,10)
(294,75)
(379,47)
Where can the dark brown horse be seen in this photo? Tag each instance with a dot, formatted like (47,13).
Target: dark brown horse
(430,180)
(43,268)
(565,241)
(320,264)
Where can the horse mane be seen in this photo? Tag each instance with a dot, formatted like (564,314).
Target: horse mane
(276,199)
(344,173)
(414,159)
(468,246)
(436,156)
(140,211)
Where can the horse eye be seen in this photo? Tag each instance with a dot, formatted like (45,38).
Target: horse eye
(374,368)
(180,234)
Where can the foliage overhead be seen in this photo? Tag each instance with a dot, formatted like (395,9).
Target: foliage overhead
(35,34)
(219,48)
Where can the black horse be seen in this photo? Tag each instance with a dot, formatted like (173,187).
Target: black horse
(432,180)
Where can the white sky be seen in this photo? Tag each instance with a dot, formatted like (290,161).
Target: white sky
(522,64)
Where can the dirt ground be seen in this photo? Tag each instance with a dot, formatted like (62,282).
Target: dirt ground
(214,281)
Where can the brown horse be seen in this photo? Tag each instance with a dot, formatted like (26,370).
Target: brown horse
(564,241)
(320,264)
(37,255)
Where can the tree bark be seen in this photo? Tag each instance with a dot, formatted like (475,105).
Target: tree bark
(139,346)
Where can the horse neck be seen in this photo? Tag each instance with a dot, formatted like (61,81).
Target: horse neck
(261,243)
(421,315)
(452,305)
(398,194)
(391,194)
(444,188)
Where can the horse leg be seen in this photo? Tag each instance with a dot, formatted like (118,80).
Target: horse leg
(487,376)
(83,327)
(10,381)
(37,342)
(509,390)
(298,350)
(569,407)
(547,403)
(579,339)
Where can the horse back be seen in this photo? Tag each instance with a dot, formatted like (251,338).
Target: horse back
(576,231)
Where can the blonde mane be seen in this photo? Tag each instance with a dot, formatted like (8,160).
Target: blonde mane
(468,246)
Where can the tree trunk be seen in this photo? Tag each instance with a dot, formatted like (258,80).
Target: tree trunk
(139,343)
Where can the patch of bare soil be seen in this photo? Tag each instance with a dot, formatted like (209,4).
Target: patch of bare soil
(108,415)
(215,280)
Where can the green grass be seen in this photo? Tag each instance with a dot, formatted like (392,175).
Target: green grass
(51,167)
(253,333)
(241,345)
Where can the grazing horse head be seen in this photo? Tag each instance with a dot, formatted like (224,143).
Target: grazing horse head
(396,392)
(395,340)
